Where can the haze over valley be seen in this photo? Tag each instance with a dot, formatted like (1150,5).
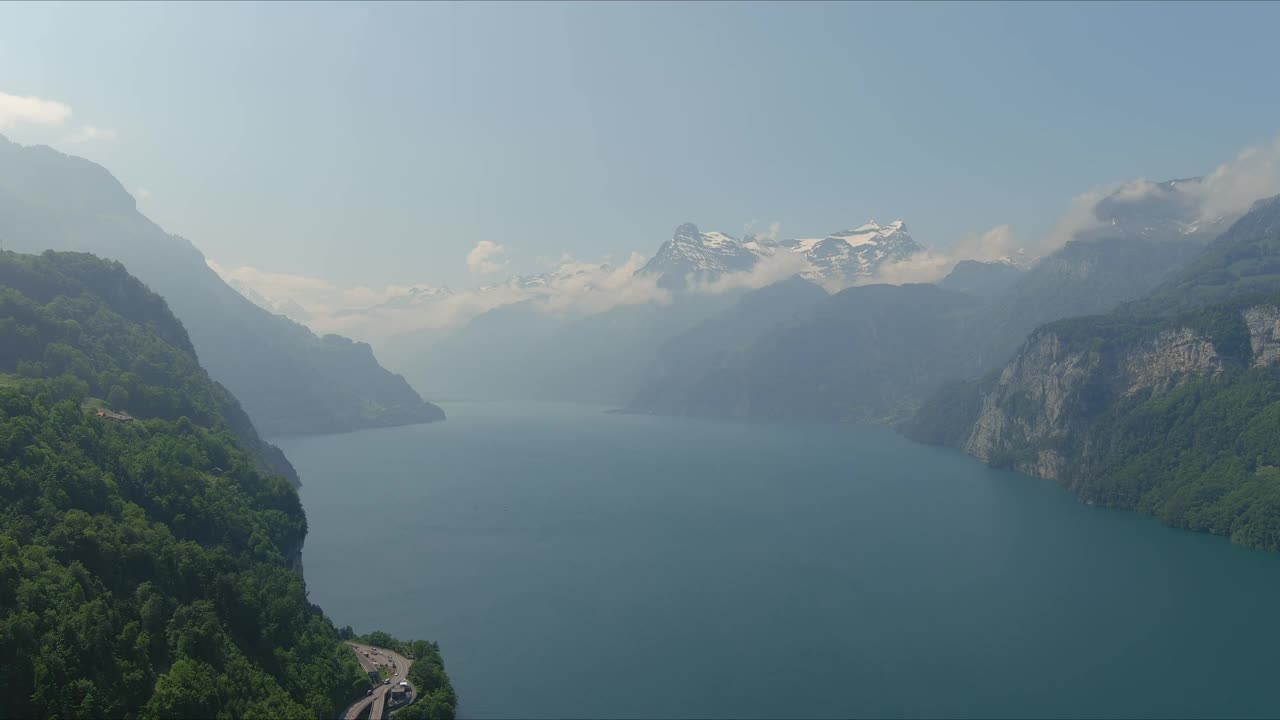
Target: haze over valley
(624,334)
(680,360)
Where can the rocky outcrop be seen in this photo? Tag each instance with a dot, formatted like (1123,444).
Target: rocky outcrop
(1168,405)
(293,557)
(1028,401)
(1164,360)
(1048,392)
(1263,322)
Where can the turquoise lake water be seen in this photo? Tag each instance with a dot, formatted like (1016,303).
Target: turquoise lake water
(573,563)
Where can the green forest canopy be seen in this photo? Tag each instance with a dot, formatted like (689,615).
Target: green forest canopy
(144,565)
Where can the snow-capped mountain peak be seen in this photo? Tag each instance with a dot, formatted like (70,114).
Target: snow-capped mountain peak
(545,282)
(839,257)
(418,295)
(692,253)
(849,254)
(400,298)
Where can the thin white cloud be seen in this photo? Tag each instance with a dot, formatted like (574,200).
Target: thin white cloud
(30,110)
(1224,194)
(16,110)
(995,244)
(90,133)
(1221,196)
(1082,217)
(297,296)
(1234,186)
(769,270)
(769,233)
(142,193)
(594,288)
(375,314)
(484,258)
(998,243)
(922,267)
(275,281)
(358,311)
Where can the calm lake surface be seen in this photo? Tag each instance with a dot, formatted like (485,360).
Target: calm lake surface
(573,563)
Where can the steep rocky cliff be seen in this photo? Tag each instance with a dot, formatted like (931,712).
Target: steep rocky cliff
(1167,405)
(1049,391)
(1181,420)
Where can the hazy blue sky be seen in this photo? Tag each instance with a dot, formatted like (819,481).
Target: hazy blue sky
(379,143)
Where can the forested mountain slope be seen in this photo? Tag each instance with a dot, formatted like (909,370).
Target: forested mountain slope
(64,314)
(145,555)
(1168,405)
(289,379)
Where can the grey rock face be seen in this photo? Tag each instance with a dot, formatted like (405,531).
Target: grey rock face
(1263,322)
(1028,402)
(1040,394)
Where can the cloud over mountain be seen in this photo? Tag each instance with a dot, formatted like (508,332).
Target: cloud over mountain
(485,258)
(711,263)
(1201,206)
(19,110)
(31,110)
(375,313)
(89,133)
(1175,207)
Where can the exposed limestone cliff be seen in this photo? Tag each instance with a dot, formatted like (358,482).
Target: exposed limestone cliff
(1168,405)
(1263,322)
(1164,360)
(1028,401)
(1034,417)
(1049,391)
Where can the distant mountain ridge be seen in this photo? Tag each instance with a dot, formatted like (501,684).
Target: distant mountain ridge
(522,352)
(986,279)
(706,367)
(860,354)
(839,258)
(522,349)
(875,352)
(703,256)
(289,379)
(857,254)
(1160,210)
